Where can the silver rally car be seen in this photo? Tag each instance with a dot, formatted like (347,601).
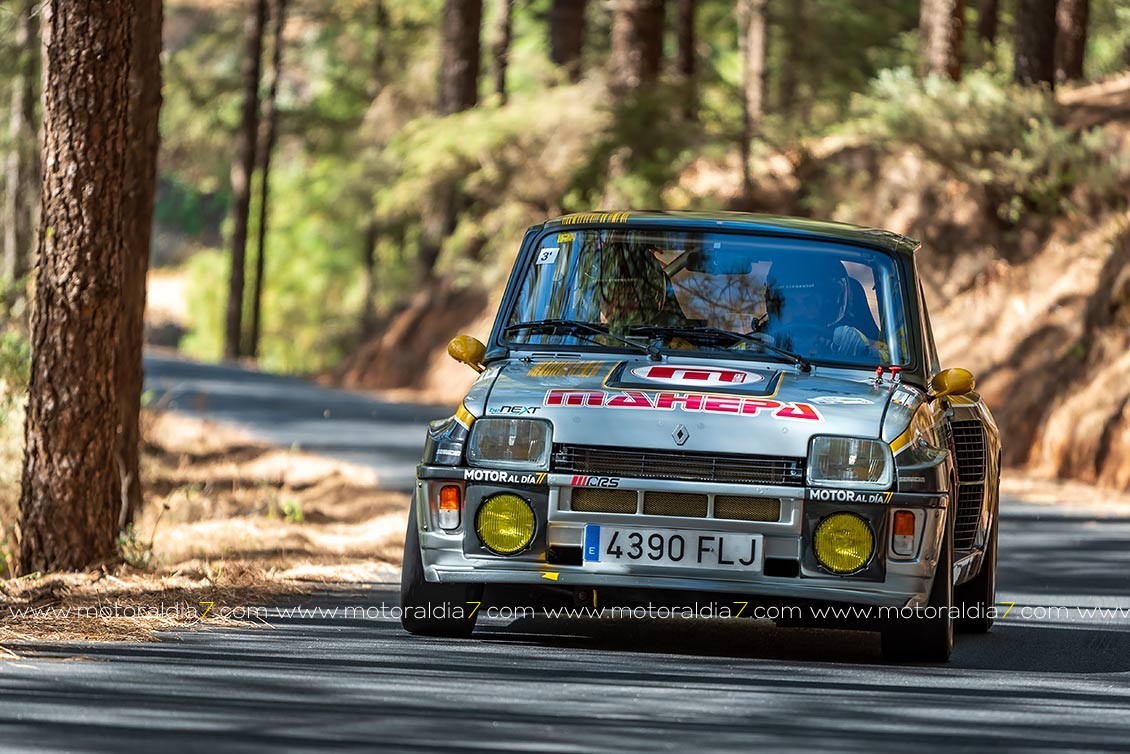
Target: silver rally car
(677,407)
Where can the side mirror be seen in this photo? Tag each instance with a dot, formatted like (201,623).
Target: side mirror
(952,382)
(467,350)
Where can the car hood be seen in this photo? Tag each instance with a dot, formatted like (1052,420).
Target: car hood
(692,405)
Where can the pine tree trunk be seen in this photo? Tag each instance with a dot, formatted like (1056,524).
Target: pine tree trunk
(687,57)
(795,44)
(501,48)
(21,170)
(140,187)
(371,235)
(751,44)
(1034,61)
(637,44)
(1071,38)
(458,91)
(567,35)
(988,19)
(267,144)
(941,25)
(69,502)
(459,74)
(246,141)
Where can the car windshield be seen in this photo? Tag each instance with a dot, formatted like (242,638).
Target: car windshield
(695,291)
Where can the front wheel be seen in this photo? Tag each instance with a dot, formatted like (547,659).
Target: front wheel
(928,635)
(433,609)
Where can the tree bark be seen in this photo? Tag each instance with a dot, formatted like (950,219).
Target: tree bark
(637,44)
(567,35)
(460,61)
(1034,58)
(941,25)
(21,170)
(687,57)
(243,166)
(795,43)
(1071,38)
(988,19)
(267,144)
(751,44)
(501,48)
(69,501)
(458,90)
(140,187)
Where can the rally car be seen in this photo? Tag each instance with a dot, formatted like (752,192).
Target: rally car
(748,407)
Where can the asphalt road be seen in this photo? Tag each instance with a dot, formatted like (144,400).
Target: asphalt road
(320,681)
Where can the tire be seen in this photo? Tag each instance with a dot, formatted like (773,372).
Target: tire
(922,638)
(981,590)
(421,600)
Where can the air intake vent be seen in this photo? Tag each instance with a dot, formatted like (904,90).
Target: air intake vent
(673,464)
(969,449)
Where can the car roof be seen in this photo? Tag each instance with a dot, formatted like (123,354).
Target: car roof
(798,227)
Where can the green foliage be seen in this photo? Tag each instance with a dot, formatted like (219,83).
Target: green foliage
(15,368)
(989,133)
(135,552)
(291,508)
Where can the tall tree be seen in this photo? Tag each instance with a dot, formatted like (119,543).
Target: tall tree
(460,61)
(751,46)
(140,187)
(795,33)
(941,24)
(1034,46)
(458,90)
(21,171)
(267,147)
(567,35)
(988,19)
(687,56)
(637,44)
(500,49)
(246,141)
(1071,38)
(371,234)
(69,502)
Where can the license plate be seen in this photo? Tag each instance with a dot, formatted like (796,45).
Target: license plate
(673,547)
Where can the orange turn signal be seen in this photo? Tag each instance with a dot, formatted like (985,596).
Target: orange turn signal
(450,498)
(904,524)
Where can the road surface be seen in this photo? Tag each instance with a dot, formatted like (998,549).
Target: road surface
(320,681)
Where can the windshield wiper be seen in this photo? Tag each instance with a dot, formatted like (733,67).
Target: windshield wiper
(703,334)
(586,330)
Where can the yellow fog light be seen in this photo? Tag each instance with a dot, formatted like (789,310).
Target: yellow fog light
(843,542)
(505,524)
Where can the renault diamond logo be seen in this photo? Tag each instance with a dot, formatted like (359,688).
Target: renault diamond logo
(680,435)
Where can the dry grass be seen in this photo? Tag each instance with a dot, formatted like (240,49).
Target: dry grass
(229,523)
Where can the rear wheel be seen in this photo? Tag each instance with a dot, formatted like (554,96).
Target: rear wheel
(928,635)
(433,609)
(978,596)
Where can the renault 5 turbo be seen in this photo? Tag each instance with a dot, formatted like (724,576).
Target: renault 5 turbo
(750,407)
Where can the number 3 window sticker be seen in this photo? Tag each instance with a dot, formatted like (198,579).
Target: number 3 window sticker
(548,255)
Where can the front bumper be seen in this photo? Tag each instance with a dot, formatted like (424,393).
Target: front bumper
(888,580)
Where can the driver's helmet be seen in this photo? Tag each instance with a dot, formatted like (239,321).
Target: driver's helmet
(809,289)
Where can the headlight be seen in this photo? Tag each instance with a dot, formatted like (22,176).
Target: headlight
(852,462)
(843,543)
(501,443)
(505,524)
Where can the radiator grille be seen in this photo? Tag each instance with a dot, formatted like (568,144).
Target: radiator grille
(664,464)
(598,500)
(969,449)
(969,497)
(674,504)
(747,508)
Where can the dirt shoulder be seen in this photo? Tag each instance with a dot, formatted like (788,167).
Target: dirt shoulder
(229,524)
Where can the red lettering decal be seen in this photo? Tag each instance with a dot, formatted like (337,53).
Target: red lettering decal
(574,398)
(720,405)
(630,399)
(751,406)
(799,411)
(669,401)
